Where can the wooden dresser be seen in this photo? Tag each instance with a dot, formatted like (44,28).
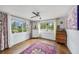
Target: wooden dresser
(61,37)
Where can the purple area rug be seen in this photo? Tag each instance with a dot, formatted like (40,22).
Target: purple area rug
(40,48)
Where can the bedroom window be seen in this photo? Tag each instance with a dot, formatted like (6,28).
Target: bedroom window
(35,25)
(47,26)
(18,25)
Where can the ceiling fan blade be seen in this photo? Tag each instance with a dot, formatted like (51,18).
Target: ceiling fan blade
(34,13)
(33,16)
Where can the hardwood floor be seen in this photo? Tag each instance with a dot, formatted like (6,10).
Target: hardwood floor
(61,49)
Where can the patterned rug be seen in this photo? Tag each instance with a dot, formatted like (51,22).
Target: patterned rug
(40,48)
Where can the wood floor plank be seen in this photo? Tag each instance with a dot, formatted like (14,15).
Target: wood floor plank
(16,49)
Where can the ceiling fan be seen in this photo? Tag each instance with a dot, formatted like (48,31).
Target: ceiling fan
(36,13)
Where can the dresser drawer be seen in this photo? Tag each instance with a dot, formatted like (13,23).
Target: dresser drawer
(61,37)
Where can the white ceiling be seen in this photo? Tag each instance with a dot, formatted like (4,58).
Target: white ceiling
(46,11)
